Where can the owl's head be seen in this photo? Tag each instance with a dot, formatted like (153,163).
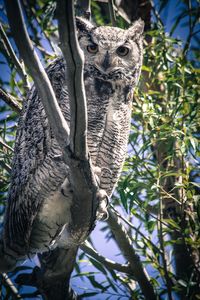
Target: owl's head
(111,53)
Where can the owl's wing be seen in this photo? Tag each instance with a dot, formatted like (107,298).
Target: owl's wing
(37,168)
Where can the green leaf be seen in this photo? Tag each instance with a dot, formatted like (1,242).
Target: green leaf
(95,283)
(91,294)
(98,265)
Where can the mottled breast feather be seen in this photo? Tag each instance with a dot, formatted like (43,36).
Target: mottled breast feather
(38,170)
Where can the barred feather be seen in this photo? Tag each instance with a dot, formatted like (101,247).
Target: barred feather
(40,196)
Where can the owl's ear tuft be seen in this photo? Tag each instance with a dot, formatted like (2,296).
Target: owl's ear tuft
(136,30)
(83,25)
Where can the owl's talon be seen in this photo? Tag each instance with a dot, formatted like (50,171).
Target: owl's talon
(97,173)
(105,216)
(102,213)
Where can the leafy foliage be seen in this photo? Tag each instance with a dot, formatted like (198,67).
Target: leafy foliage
(157,189)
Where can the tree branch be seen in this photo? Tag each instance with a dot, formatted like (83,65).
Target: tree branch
(82,178)
(109,264)
(10,100)
(129,253)
(136,229)
(163,255)
(20,68)
(75,155)
(43,85)
(120,12)
(83,8)
(112,12)
(2,143)
(5,166)
(11,286)
(52,278)
(74,75)
(32,15)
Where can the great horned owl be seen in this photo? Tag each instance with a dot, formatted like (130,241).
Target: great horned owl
(40,195)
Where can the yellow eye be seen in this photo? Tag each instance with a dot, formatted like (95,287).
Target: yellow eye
(93,48)
(122,51)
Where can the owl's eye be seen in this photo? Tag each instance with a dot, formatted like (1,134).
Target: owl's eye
(122,51)
(92,48)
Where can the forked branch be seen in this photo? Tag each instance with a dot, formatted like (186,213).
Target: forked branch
(74,76)
(74,147)
(123,241)
(82,177)
(19,66)
(42,82)
(109,264)
(10,100)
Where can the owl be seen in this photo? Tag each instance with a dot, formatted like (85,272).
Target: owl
(40,195)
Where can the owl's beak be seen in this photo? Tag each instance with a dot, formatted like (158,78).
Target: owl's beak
(106,62)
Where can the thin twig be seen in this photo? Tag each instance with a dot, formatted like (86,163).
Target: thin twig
(122,14)
(118,11)
(157,219)
(135,228)
(19,66)
(34,16)
(129,253)
(10,100)
(35,37)
(84,8)
(112,12)
(156,13)
(192,24)
(168,195)
(11,286)
(5,166)
(87,248)
(2,143)
(141,160)
(43,50)
(161,240)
